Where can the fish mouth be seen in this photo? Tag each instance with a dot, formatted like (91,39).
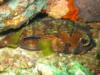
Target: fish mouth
(30,43)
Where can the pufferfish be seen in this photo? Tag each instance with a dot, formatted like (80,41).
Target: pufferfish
(14,13)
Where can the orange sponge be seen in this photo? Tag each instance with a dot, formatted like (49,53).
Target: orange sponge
(73,11)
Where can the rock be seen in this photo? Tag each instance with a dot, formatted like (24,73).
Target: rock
(89,10)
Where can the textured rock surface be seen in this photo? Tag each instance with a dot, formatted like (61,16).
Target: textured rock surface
(14,13)
(89,10)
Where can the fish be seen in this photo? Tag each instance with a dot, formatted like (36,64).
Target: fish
(59,36)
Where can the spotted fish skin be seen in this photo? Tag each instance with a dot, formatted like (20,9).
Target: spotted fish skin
(89,10)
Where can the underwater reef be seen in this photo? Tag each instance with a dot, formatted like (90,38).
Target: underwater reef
(49,37)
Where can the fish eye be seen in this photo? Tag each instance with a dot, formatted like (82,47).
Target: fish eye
(85,41)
